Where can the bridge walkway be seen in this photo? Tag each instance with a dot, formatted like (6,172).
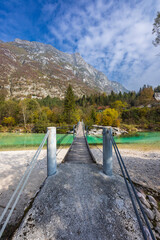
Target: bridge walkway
(79,152)
(80,202)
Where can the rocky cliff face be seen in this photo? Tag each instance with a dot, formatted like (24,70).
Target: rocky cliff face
(37,70)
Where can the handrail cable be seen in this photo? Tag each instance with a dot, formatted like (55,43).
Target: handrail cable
(120,160)
(97,136)
(26,174)
(25,177)
(64,127)
(61,148)
(98,147)
(130,194)
(95,141)
(126,175)
(62,138)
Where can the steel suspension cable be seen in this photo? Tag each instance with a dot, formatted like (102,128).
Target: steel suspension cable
(61,139)
(14,193)
(97,136)
(95,144)
(131,196)
(135,193)
(98,147)
(26,174)
(61,148)
(126,175)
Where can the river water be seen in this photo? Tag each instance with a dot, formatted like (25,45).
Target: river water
(140,137)
(29,140)
(24,140)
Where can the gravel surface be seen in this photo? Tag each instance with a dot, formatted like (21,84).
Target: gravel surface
(95,204)
(12,167)
(80,202)
(143,166)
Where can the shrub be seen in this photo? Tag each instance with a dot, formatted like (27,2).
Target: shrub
(9,121)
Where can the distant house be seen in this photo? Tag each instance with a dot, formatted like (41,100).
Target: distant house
(101,108)
(157,96)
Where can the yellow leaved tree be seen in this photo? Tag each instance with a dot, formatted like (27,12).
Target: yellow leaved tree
(109,117)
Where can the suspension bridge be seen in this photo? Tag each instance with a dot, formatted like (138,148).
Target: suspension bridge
(79,200)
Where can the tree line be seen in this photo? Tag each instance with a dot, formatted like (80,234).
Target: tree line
(139,110)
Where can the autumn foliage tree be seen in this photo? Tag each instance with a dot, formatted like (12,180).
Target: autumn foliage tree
(109,117)
(145,95)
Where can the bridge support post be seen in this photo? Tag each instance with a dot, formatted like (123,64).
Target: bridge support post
(107,152)
(51,151)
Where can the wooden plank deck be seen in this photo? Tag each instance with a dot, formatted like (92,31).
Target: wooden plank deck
(79,152)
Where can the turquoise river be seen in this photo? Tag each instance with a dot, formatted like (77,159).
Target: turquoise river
(11,141)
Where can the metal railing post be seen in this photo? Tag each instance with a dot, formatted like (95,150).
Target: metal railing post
(51,151)
(107,152)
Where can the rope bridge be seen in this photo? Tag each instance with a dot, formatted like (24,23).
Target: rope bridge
(66,135)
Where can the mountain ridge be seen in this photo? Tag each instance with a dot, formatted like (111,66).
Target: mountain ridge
(38,69)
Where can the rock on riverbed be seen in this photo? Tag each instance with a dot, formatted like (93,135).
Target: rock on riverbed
(98,131)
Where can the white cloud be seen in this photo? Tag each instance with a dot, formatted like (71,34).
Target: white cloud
(113,36)
(48,9)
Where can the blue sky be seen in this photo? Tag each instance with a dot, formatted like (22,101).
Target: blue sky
(115,36)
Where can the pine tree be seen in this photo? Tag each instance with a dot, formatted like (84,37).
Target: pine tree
(69,104)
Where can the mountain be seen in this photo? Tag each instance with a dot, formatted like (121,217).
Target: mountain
(37,70)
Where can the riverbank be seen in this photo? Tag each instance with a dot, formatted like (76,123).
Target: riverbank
(143,168)
(12,167)
(140,147)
